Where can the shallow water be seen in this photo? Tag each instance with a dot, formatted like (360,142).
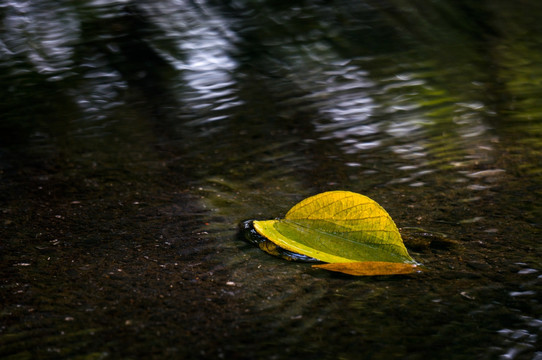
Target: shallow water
(135,137)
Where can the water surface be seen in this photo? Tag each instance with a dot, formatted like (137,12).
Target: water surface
(135,136)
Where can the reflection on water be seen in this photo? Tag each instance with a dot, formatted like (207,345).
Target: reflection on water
(40,35)
(137,135)
(200,46)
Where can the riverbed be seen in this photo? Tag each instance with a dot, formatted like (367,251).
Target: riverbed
(137,136)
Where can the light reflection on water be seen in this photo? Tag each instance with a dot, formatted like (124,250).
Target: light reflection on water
(524,340)
(43,35)
(260,105)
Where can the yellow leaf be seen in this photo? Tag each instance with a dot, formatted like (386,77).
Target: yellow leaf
(369,268)
(338,227)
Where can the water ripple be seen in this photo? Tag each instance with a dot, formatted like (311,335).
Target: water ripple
(44,35)
(202,50)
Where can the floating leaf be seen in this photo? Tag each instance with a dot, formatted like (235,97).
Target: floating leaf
(339,227)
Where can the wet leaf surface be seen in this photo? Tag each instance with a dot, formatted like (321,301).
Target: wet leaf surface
(339,227)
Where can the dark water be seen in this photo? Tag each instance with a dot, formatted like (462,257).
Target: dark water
(135,136)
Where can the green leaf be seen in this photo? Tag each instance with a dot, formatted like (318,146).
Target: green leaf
(338,227)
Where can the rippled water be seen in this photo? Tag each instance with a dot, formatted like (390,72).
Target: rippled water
(135,136)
